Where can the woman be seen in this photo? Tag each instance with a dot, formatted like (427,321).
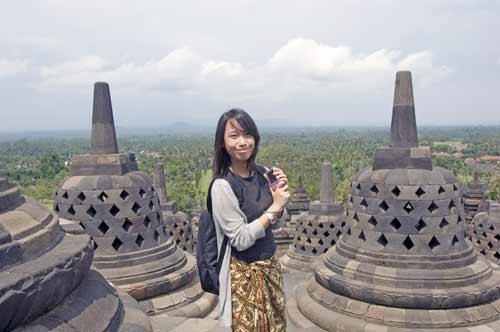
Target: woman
(251,297)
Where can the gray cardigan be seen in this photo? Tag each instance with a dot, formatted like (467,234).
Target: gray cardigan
(230,220)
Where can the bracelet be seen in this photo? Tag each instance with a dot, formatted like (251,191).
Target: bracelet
(274,212)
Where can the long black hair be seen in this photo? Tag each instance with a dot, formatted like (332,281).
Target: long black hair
(222,161)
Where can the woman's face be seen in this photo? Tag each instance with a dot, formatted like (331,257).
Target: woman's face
(238,144)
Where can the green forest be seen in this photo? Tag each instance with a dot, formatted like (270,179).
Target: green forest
(39,165)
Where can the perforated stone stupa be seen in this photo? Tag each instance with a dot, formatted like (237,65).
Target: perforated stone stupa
(318,229)
(177,223)
(119,208)
(404,264)
(486,232)
(474,199)
(46,283)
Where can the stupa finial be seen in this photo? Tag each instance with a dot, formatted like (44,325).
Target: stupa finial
(404,124)
(103,140)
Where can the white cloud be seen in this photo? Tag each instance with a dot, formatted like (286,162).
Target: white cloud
(301,66)
(13,67)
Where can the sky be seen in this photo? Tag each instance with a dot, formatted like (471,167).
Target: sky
(288,63)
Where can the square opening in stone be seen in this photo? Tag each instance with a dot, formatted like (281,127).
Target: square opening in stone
(349,231)
(434,243)
(91,211)
(441,190)
(339,233)
(81,196)
(454,240)
(142,193)
(482,252)
(147,222)
(455,188)
(395,224)
(358,187)
(139,240)
(102,196)
(459,220)
(136,208)
(432,207)
(490,245)
(496,255)
(420,192)
(364,203)
(443,223)
(320,241)
(127,224)
(451,205)
(117,243)
(355,217)
(374,189)
(114,210)
(56,208)
(408,207)
(103,227)
(362,236)
(65,195)
(382,240)
(314,251)
(383,205)
(395,191)
(420,225)
(71,210)
(372,221)
(408,243)
(326,234)
(497,237)
(124,194)
(332,242)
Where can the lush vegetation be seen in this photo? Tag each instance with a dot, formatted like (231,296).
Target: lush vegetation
(38,165)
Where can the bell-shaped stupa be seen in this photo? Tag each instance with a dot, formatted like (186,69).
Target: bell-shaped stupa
(46,280)
(119,208)
(404,263)
(318,229)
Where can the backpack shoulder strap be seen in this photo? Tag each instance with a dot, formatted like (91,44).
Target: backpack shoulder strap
(220,258)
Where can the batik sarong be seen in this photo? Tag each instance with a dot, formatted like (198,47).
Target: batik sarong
(258,301)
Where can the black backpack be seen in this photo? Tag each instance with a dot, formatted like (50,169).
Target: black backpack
(208,263)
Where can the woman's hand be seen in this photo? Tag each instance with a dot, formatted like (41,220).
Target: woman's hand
(281,195)
(280,176)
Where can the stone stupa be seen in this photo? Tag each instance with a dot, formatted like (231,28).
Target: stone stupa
(46,280)
(119,208)
(177,223)
(404,264)
(318,229)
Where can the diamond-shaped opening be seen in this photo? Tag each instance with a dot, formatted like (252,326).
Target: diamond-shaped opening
(332,242)
(56,208)
(314,251)
(304,231)
(81,196)
(181,232)
(139,240)
(497,237)
(364,203)
(332,226)
(102,196)
(65,195)
(351,200)
(382,240)
(459,220)
(383,205)
(349,231)
(124,194)
(71,210)
(325,250)
(176,225)
(492,228)
(408,243)
(374,189)
(496,255)
(358,186)
(339,233)
(372,221)
(343,224)
(455,188)
(355,217)
(451,205)
(142,193)
(482,252)
(441,190)
(315,232)
(408,207)
(362,236)
(432,207)
(490,245)
(299,238)
(420,192)
(117,243)
(114,210)
(127,224)
(484,235)
(136,208)
(395,191)
(326,233)
(103,227)
(320,241)
(320,225)
(420,225)
(454,240)
(395,224)
(310,224)
(433,243)
(91,211)
(147,222)
(151,205)
(443,223)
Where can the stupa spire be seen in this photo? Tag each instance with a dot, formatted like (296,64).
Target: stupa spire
(326,186)
(160,183)
(103,140)
(404,124)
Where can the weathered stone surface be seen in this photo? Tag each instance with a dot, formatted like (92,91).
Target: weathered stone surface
(103,126)
(404,124)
